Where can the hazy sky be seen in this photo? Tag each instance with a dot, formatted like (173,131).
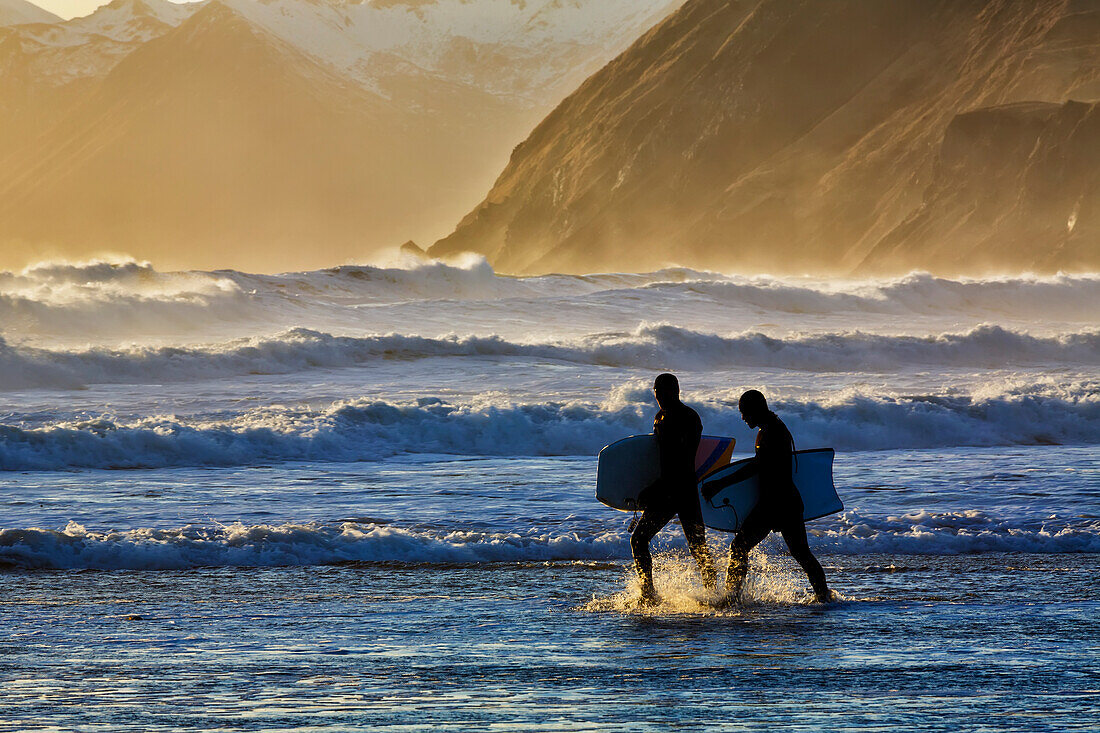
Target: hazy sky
(71,8)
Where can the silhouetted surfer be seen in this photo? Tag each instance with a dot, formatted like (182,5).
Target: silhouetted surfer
(678,430)
(780,506)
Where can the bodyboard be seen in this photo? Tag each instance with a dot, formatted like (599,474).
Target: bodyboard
(628,466)
(813,476)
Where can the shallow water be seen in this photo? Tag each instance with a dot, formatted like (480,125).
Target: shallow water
(452,618)
(993,642)
(425,509)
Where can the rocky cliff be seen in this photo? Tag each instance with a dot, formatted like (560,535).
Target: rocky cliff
(1017,184)
(802,136)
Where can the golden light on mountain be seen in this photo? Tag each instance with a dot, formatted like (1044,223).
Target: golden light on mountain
(817,137)
(275,135)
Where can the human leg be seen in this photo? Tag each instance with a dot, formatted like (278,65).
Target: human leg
(794,535)
(751,534)
(691,519)
(653,519)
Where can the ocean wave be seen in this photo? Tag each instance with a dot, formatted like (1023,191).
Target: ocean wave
(125,299)
(121,297)
(116,297)
(287,544)
(659,346)
(1060,296)
(926,532)
(468,278)
(493,425)
(239,545)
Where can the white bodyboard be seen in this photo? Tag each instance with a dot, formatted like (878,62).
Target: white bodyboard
(628,466)
(813,475)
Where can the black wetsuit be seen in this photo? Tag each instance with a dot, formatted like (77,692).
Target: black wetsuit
(678,430)
(779,509)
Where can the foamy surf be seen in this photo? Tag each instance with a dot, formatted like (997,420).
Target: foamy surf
(649,346)
(315,543)
(773,580)
(496,425)
(123,300)
(239,545)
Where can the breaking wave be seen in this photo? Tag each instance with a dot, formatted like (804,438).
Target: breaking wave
(1058,296)
(119,297)
(286,544)
(370,430)
(238,545)
(649,346)
(123,298)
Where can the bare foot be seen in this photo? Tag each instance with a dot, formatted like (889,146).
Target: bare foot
(728,601)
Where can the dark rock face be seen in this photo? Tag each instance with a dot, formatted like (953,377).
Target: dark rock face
(1016,185)
(801,136)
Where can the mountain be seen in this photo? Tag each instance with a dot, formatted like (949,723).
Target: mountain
(799,136)
(526,49)
(278,134)
(214,133)
(14,12)
(48,68)
(1022,179)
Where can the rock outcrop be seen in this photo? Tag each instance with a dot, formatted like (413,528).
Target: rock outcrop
(800,136)
(1014,187)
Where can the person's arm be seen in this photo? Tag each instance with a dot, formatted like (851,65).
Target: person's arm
(751,468)
(666,445)
(652,494)
(657,490)
(774,456)
(677,441)
(696,435)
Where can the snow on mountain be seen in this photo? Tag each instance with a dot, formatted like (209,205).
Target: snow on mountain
(61,52)
(536,50)
(123,19)
(501,46)
(15,12)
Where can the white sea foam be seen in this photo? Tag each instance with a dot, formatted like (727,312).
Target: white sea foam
(115,296)
(658,346)
(918,533)
(494,425)
(1071,297)
(288,544)
(951,533)
(125,299)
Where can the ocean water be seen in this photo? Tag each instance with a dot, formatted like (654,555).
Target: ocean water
(361,498)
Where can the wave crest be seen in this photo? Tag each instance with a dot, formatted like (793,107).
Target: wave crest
(372,430)
(240,545)
(122,298)
(659,346)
